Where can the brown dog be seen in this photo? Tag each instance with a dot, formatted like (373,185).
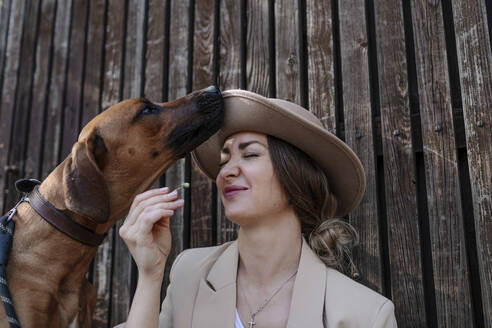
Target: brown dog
(119,154)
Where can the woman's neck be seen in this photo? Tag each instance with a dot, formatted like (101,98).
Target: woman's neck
(270,251)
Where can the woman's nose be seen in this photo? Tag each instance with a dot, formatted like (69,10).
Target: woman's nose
(229,169)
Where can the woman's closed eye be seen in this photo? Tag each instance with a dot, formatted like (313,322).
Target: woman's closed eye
(245,156)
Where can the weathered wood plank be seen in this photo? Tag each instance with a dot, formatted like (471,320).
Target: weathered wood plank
(178,49)
(110,291)
(138,78)
(257,47)
(475,68)
(230,39)
(229,78)
(132,84)
(155,52)
(451,278)
(321,71)
(102,281)
(4,17)
(177,79)
(73,97)
(23,100)
(359,130)
(120,279)
(40,91)
(93,62)
(54,116)
(132,88)
(287,51)
(201,186)
(401,199)
(113,49)
(4,35)
(10,80)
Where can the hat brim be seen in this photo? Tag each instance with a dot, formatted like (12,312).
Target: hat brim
(248,111)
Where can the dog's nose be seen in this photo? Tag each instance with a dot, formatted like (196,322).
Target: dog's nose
(212,89)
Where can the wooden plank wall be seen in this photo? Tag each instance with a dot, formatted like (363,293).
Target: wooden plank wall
(407,84)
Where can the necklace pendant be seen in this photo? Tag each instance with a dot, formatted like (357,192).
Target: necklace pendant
(252,323)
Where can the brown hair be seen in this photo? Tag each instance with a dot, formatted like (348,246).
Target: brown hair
(307,189)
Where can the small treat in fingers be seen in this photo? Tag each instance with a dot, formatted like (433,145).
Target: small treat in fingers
(183,185)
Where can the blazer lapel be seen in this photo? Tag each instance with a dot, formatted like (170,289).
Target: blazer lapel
(308,296)
(216,298)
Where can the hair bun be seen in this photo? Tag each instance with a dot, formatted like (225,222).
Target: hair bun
(333,241)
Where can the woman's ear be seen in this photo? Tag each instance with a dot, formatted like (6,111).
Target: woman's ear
(84,186)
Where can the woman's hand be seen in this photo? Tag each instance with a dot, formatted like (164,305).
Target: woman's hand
(146,229)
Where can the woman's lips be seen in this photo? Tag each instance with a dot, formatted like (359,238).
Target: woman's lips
(232,193)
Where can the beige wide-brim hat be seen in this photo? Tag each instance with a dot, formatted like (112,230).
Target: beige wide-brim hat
(248,111)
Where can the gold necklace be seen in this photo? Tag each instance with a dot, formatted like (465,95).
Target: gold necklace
(252,322)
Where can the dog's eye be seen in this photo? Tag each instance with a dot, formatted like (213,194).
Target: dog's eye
(149,109)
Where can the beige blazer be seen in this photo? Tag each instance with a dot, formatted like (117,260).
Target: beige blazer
(202,294)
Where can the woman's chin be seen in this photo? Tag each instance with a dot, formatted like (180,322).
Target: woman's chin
(234,219)
(236,216)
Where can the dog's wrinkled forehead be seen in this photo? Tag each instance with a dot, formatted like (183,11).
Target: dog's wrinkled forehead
(128,112)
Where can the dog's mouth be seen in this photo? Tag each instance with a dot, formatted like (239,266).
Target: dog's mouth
(208,118)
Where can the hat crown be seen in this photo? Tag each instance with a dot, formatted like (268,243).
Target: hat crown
(283,105)
(296,109)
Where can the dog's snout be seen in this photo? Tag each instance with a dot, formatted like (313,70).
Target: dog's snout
(210,100)
(204,117)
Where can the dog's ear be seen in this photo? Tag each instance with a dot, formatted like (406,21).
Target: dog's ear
(84,186)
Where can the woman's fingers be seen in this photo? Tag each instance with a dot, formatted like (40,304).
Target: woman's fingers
(159,198)
(159,202)
(143,201)
(142,229)
(140,214)
(151,217)
(130,218)
(164,206)
(149,193)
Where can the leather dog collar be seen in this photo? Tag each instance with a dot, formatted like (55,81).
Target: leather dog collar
(62,222)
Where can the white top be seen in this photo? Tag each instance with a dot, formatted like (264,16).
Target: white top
(237,322)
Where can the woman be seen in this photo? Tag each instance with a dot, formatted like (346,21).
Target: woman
(283,179)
